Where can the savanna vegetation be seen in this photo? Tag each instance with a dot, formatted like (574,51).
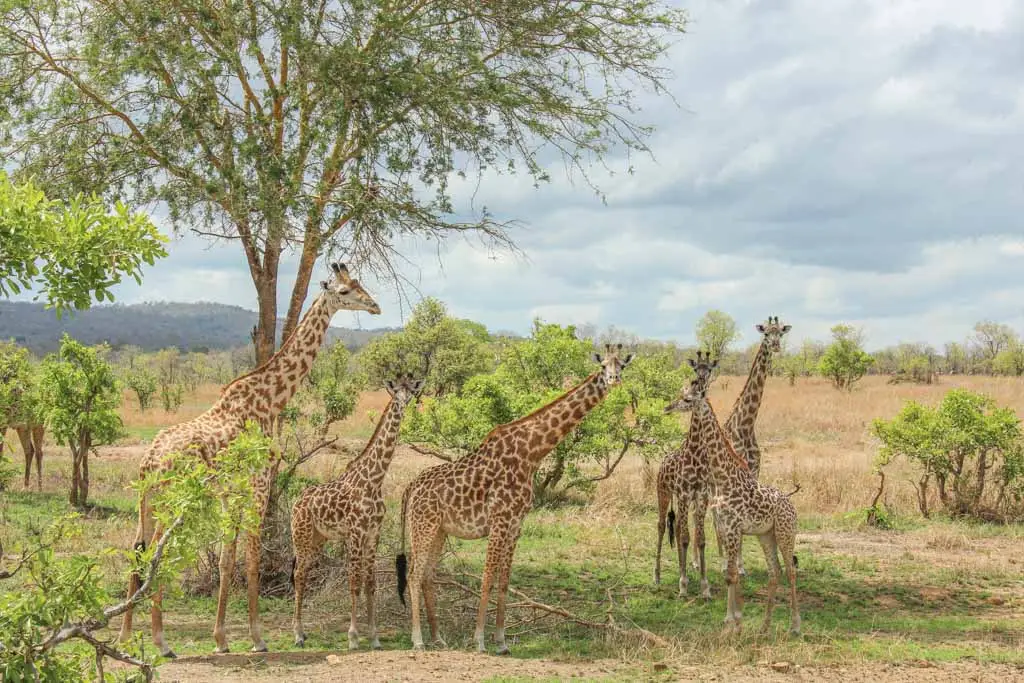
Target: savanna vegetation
(921,569)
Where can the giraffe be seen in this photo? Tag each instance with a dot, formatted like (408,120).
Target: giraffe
(30,434)
(683,479)
(350,509)
(260,396)
(739,426)
(488,493)
(744,505)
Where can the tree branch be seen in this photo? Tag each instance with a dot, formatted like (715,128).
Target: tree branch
(426,450)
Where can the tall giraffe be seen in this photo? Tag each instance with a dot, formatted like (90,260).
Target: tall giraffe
(739,426)
(683,479)
(260,396)
(744,506)
(741,421)
(351,509)
(488,493)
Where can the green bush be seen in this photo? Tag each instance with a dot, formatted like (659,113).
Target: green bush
(971,449)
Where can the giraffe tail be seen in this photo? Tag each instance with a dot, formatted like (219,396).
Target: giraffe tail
(794,491)
(671,527)
(401,561)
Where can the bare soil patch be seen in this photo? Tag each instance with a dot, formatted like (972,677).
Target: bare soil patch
(433,667)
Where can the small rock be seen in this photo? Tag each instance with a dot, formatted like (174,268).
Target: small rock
(782,667)
(333,659)
(661,666)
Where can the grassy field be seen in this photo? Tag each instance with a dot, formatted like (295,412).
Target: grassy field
(931,597)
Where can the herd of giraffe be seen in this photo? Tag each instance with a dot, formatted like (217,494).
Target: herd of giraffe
(485,494)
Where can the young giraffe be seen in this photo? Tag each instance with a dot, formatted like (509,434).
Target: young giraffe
(488,493)
(683,479)
(739,426)
(351,509)
(744,506)
(260,396)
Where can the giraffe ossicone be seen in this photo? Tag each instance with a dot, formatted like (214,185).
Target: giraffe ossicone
(260,395)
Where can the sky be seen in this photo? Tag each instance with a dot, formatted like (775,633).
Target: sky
(851,161)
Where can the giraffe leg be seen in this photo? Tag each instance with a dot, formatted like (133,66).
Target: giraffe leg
(787,544)
(370,588)
(420,546)
(430,592)
(664,500)
(700,511)
(356,581)
(227,569)
(26,447)
(253,551)
(504,571)
(156,611)
(37,440)
(733,606)
(253,548)
(307,545)
(143,532)
(500,546)
(682,532)
(774,571)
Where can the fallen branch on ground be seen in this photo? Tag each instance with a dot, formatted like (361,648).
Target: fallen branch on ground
(526,601)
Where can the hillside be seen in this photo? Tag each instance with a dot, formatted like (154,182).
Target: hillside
(151,326)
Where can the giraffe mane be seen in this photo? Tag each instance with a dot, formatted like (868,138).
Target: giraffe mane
(376,430)
(263,366)
(740,462)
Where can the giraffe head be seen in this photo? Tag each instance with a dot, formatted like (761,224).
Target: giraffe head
(773,332)
(611,364)
(697,389)
(343,292)
(404,389)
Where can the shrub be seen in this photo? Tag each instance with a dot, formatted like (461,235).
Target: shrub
(143,382)
(845,361)
(971,449)
(79,400)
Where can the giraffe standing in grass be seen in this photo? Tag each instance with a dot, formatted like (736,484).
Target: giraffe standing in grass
(351,509)
(740,424)
(488,493)
(260,395)
(744,506)
(31,435)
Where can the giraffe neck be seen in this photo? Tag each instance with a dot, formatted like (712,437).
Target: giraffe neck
(744,411)
(264,392)
(372,464)
(726,466)
(549,425)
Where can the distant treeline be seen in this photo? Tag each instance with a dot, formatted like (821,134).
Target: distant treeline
(149,326)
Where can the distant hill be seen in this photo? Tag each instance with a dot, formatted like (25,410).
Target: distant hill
(151,326)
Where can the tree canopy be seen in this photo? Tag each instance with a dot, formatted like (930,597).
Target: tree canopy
(716,330)
(292,124)
(70,252)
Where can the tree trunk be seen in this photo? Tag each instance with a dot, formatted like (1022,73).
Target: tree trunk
(83,482)
(310,249)
(76,475)
(265,334)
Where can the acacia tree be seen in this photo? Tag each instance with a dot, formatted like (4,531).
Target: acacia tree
(845,361)
(715,331)
(313,125)
(72,252)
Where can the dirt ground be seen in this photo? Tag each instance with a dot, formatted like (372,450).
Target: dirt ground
(434,667)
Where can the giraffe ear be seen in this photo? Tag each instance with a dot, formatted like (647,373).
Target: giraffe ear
(692,362)
(597,357)
(625,361)
(714,364)
(390,386)
(760,328)
(786,328)
(417,386)
(323,285)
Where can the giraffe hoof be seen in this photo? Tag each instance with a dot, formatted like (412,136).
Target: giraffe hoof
(418,647)
(169,655)
(262,647)
(502,650)
(375,645)
(300,642)
(221,650)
